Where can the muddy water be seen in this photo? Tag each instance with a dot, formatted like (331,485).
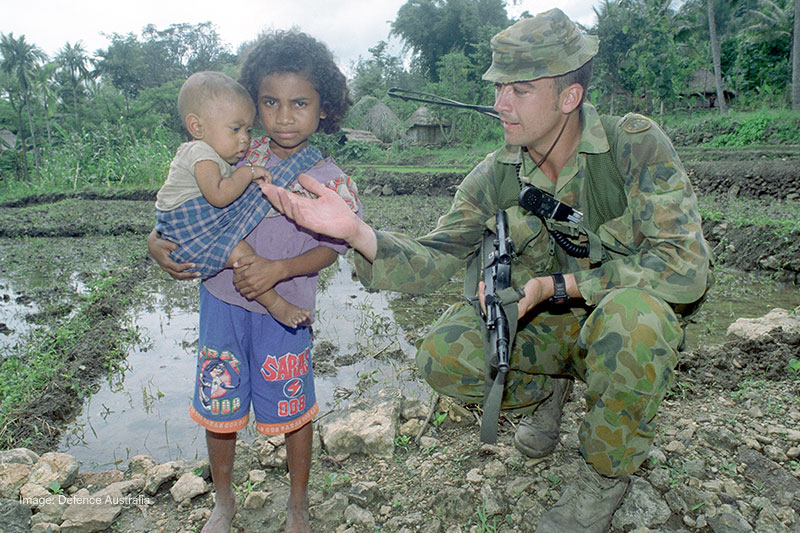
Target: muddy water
(143,410)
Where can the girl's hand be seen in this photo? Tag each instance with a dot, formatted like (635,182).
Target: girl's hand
(254,275)
(160,249)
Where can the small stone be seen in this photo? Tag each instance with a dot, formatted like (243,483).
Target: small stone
(256,499)
(474,476)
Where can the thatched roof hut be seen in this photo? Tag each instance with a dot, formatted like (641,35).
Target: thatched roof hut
(702,85)
(383,122)
(348,134)
(426,128)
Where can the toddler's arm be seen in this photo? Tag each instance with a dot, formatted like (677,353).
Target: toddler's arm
(254,275)
(221,191)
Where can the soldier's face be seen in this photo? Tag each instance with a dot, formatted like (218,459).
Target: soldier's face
(530,111)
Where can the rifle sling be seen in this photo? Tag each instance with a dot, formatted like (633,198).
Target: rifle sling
(494,379)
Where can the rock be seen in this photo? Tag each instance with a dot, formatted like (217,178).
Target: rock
(354,514)
(140,465)
(758,328)
(272,452)
(187,487)
(475,476)
(765,473)
(493,504)
(22,456)
(729,521)
(411,428)
(331,511)
(160,474)
(88,513)
(35,494)
(12,477)
(54,467)
(103,478)
(494,469)
(368,427)
(413,408)
(455,504)
(366,493)
(257,476)
(642,506)
(14,516)
(45,527)
(256,499)
(428,443)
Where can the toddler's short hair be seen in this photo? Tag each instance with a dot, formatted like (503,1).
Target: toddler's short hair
(205,86)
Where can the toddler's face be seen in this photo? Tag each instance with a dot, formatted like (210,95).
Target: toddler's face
(290,111)
(226,125)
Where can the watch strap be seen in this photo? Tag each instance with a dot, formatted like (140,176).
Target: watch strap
(559,288)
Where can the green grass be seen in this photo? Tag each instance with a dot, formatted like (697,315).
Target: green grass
(781,217)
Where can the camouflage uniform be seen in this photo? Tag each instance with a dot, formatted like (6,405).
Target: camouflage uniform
(622,339)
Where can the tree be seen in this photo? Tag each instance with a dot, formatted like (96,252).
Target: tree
(374,76)
(796,57)
(774,21)
(21,59)
(716,56)
(43,82)
(432,28)
(74,62)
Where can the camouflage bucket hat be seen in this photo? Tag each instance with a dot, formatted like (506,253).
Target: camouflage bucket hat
(547,45)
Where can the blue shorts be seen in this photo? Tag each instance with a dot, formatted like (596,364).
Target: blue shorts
(246,357)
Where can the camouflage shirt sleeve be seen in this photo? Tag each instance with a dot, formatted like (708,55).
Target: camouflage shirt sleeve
(661,224)
(419,265)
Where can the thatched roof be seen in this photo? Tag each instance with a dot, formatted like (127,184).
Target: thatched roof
(383,122)
(702,82)
(360,135)
(424,117)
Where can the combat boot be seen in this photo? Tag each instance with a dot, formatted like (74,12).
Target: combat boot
(587,504)
(537,433)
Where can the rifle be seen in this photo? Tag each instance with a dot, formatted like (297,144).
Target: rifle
(497,276)
(427,98)
(499,331)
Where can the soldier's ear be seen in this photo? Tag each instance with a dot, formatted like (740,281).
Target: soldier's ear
(571,98)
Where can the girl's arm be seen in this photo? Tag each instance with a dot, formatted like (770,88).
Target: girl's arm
(254,275)
(221,191)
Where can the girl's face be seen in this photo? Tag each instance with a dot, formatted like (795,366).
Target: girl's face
(290,111)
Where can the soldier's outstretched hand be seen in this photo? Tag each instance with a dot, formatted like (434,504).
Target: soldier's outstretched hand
(327,214)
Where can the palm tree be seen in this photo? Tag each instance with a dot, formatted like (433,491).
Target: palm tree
(47,97)
(716,56)
(796,57)
(21,59)
(774,21)
(73,60)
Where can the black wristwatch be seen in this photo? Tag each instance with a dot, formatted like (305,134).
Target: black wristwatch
(559,289)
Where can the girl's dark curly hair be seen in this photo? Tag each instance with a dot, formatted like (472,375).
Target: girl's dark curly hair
(296,52)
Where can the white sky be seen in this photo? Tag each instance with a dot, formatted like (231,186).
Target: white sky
(348,27)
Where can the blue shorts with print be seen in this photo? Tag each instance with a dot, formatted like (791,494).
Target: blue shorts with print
(248,358)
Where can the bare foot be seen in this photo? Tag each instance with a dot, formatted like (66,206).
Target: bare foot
(297,519)
(287,314)
(221,517)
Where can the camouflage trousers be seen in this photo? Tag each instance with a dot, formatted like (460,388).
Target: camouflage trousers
(625,350)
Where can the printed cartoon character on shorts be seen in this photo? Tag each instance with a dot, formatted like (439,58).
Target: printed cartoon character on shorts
(216,377)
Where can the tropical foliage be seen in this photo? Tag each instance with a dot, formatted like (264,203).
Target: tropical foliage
(60,116)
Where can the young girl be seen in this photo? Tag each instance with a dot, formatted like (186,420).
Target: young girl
(298,90)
